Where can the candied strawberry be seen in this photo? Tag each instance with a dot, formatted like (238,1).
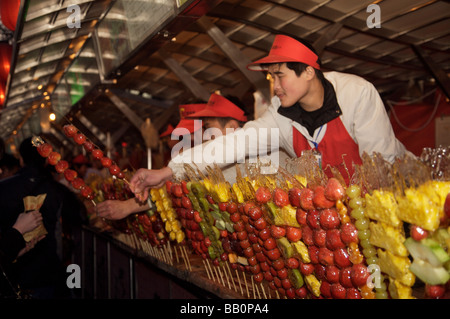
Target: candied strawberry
(329,218)
(312,219)
(319,237)
(263,195)
(293,234)
(334,239)
(97,153)
(313,254)
(306,199)
(332,273)
(70,174)
(294,196)
(359,275)
(319,199)
(176,190)
(61,166)
(349,233)
(88,146)
(334,190)
(280,197)
(77,183)
(106,161)
(342,258)
(300,215)
(53,158)
(44,149)
(326,256)
(319,271)
(79,138)
(307,234)
(325,289)
(306,268)
(338,291)
(277,231)
(70,130)
(353,293)
(345,277)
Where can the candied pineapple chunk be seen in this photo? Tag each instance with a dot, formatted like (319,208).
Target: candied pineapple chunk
(396,267)
(399,290)
(388,237)
(423,206)
(313,284)
(382,206)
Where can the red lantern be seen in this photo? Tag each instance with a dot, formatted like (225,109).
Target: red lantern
(2,92)
(5,60)
(9,10)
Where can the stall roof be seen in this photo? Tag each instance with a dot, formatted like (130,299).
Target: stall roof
(187,60)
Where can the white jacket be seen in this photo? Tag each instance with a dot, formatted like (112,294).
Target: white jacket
(363,115)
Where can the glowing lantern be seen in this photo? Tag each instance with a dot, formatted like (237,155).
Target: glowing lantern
(9,10)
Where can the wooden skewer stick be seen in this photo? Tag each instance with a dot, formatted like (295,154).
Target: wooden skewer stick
(239,280)
(232,279)
(253,287)
(184,258)
(263,290)
(187,257)
(210,270)
(220,275)
(257,289)
(206,269)
(226,276)
(176,254)
(246,284)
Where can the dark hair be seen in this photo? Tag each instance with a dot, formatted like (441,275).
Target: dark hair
(30,155)
(236,101)
(299,67)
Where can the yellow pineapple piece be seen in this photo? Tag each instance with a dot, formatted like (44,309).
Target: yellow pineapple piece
(238,193)
(302,250)
(382,206)
(390,238)
(301,179)
(222,192)
(424,206)
(396,267)
(313,284)
(399,290)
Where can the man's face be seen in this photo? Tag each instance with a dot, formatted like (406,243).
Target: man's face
(289,87)
(213,123)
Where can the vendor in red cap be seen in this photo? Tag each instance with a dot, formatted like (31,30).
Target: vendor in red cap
(222,112)
(339,116)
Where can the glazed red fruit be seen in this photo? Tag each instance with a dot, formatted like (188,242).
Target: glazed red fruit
(264,234)
(300,215)
(294,196)
(319,199)
(334,239)
(306,268)
(319,271)
(263,195)
(277,231)
(319,237)
(77,183)
(106,161)
(176,190)
(70,130)
(338,291)
(312,219)
(349,233)
(88,146)
(418,233)
(232,207)
(434,291)
(86,192)
(301,292)
(293,234)
(292,263)
(325,289)
(235,217)
(260,223)
(97,153)
(353,293)
(273,254)
(306,198)
(329,218)
(61,166)
(307,235)
(255,213)
(345,277)
(186,202)
(313,254)
(79,138)
(326,256)
(114,169)
(70,174)
(53,158)
(44,149)
(270,243)
(334,190)
(359,275)
(280,197)
(342,258)
(332,274)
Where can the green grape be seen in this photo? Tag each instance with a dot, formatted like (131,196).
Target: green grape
(362,224)
(357,213)
(369,252)
(355,202)
(353,191)
(372,260)
(364,234)
(381,295)
(365,243)
(381,288)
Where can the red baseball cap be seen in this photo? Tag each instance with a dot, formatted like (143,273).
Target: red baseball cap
(219,106)
(186,110)
(168,131)
(286,49)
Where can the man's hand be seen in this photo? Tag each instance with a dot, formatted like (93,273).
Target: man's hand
(144,179)
(26,222)
(119,209)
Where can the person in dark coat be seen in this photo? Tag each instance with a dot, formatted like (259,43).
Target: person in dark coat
(41,271)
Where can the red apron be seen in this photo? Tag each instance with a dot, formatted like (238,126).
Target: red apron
(334,144)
